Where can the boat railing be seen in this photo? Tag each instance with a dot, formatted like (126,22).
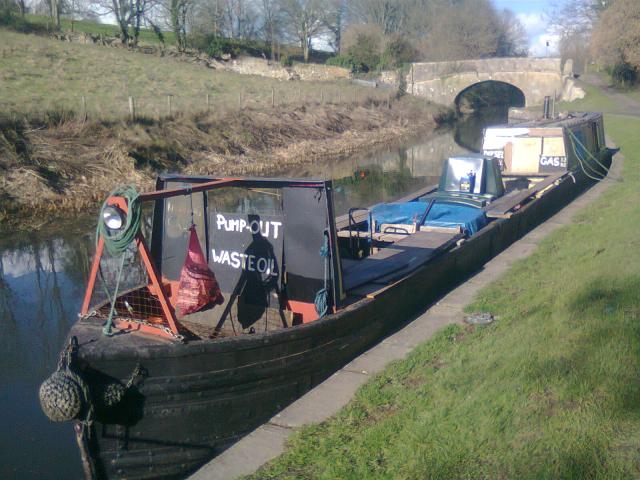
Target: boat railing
(357,240)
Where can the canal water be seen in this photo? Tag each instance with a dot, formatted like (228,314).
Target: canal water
(43,275)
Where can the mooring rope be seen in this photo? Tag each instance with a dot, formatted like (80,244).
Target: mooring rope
(582,162)
(322,297)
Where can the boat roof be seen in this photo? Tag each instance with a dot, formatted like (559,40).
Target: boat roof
(573,118)
(246,181)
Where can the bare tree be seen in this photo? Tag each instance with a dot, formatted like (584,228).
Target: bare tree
(304,21)
(616,36)
(271,23)
(513,40)
(177,12)
(334,21)
(573,22)
(390,15)
(130,15)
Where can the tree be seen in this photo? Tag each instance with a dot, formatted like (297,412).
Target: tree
(130,15)
(390,15)
(178,11)
(616,39)
(271,24)
(304,21)
(334,21)
(468,29)
(573,22)
(513,40)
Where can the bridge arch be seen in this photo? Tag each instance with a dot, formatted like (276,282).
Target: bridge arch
(442,82)
(489,93)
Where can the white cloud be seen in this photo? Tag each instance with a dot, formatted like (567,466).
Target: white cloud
(537,27)
(533,23)
(539,47)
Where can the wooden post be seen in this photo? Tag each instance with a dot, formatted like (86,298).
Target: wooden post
(273,97)
(412,81)
(240,99)
(299,94)
(132,109)
(84,108)
(322,95)
(169,109)
(208,102)
(339,96)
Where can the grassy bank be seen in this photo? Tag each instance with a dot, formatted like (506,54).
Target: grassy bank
(54,158)
(550,390)
(40,74)
(64,165)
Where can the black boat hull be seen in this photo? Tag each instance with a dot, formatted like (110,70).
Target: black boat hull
(198,398)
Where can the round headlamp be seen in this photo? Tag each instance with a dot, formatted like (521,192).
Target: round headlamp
(113,217)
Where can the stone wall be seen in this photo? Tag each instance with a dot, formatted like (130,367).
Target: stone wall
(243,65)
(299,71)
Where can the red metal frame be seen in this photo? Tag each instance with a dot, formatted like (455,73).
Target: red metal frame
(147,260)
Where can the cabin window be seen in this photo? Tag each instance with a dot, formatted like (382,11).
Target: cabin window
(253,201)
(177,220)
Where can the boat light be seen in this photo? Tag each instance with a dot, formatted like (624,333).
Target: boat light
(113,217)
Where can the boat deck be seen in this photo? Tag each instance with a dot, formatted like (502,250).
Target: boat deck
(397,260)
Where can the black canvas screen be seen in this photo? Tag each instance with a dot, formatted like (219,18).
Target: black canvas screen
(305,222)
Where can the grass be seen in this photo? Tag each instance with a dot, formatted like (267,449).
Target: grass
(39,74)
(550,390)
(593,101)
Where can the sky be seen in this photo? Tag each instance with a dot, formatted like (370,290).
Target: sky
(533,15)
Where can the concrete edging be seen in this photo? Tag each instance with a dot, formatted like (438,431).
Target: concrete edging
(269,440)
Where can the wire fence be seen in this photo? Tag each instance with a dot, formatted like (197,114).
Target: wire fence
(159,106)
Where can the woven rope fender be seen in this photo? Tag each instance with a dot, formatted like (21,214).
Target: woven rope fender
(61,397)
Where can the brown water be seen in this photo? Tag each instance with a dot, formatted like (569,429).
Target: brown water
(43,275)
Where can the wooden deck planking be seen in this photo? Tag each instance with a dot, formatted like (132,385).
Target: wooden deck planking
(403,256)
(501,207)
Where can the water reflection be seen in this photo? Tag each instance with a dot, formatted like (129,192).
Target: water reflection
(42,280)
(41,284)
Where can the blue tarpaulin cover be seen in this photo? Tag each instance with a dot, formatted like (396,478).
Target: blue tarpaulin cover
(471,219)
(442,214)
(405,213)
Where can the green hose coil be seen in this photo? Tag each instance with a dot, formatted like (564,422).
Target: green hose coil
(117,241)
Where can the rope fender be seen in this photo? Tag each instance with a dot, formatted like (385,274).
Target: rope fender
(65,395)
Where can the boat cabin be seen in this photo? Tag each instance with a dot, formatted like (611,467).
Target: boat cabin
(546,146)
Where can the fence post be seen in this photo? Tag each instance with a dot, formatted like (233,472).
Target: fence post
(84,108)
(132,109)
(240,99)
(169,109)
(322,96)
(208,103)
(273,97)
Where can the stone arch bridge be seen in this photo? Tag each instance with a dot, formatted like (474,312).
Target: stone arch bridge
(443,82)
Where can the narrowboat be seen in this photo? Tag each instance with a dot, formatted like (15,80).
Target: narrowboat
(212,303)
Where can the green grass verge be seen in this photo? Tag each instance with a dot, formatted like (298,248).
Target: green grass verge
(39,74)
(550,390)
(593,101)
